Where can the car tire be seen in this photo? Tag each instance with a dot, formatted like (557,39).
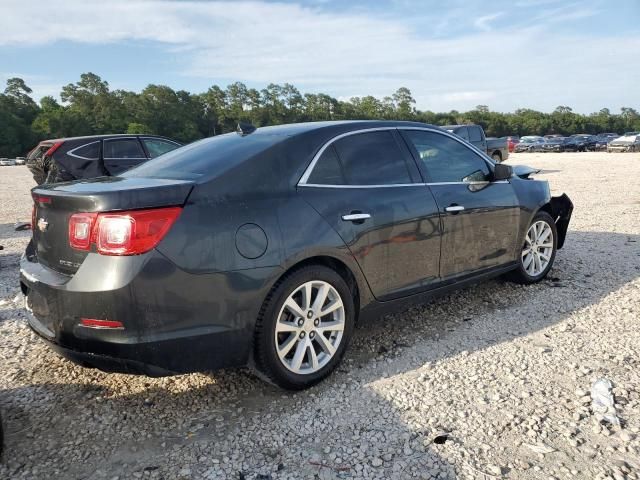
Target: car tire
(531,267)
(292,349)
(496,157)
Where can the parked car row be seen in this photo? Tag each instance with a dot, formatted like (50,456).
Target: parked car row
(582,142)
(9,162)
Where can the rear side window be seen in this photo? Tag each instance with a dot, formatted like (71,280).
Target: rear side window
(474,134)
(372,158)
(446,159)
(90,151)
(327,170)
(157,147)
(462,132)
(123,148)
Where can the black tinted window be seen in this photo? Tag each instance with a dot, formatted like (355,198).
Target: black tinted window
(123,148)
(157,147)
(210,156)
(474,134)
(446,159)
(327,170)
(90,151)
(372,158)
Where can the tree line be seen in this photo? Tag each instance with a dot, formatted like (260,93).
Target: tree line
(90,107)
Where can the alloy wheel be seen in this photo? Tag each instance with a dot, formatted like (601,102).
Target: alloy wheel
(309,327)
(538,248)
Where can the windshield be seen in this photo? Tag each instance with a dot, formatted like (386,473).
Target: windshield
(210,156)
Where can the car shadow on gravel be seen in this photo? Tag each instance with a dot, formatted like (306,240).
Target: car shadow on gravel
(76,423)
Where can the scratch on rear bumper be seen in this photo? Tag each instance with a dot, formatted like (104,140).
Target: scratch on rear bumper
(561,210)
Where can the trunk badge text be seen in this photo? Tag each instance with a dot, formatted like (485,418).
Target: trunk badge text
(42,224)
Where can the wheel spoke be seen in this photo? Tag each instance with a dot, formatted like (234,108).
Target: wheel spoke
(313,357)
(321,297)
(547,245)
(293,307)
(537,268)
(325,345)
(332,307)
(284,327)
(296,361)
(285,348)
(528,261)
(334,326)
(306,296)
(545,233)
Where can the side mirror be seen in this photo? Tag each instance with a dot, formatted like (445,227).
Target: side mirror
(502,172)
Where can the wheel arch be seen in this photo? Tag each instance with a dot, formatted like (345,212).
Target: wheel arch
(340,267)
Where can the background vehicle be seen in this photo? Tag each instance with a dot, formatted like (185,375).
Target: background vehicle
(554,144)
(627,143)
(552,135)
(6,162)
(65,159)
(630,134)
(579,143)
(512,142)
(496,148)
(21,160)
(602,140)
(239,249)
(530,143)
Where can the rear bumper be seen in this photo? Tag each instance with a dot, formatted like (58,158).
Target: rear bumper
(174,322)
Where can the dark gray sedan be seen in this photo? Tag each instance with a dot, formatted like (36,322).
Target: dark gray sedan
(264,247)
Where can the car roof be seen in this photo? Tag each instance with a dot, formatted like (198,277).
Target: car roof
(102,136)
(292,129)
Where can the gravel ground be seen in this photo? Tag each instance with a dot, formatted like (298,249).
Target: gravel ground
(489,382)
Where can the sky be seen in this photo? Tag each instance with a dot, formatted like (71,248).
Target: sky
(454,54)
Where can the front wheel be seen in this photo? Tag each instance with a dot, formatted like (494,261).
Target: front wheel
(304,328)
(538,252)
(496,157)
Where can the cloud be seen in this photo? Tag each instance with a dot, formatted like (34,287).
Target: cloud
(351,51)
(483,23)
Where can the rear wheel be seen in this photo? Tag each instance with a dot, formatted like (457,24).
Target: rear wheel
(496,157)
(304,328)
(538,252)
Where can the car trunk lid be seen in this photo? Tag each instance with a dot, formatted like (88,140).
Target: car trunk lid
(54,204)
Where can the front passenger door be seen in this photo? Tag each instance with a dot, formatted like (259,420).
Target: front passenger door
(480,218)
(121,154)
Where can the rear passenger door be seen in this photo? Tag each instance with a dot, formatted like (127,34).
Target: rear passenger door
(368,188)
(480,217)
(121,154)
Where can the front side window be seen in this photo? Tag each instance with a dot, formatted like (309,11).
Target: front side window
(157,147)
(123,148)
(372,158)
(447,160)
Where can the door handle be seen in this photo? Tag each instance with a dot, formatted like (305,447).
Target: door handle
(454,208)
(355,217)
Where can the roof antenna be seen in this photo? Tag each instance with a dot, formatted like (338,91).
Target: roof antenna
(245,129)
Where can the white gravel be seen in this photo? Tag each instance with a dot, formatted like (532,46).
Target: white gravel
(500,372)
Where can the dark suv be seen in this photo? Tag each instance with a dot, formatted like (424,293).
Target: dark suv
(65,159)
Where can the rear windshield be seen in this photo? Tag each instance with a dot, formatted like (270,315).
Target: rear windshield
(205,158)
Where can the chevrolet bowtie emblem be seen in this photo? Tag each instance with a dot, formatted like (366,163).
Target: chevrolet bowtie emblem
(42,224)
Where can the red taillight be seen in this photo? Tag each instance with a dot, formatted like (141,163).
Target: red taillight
(33,216)
(41,199)
(121,233)
(81,229)
(94,323)
(53,148)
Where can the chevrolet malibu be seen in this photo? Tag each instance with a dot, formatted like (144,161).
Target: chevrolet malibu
(266,246)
